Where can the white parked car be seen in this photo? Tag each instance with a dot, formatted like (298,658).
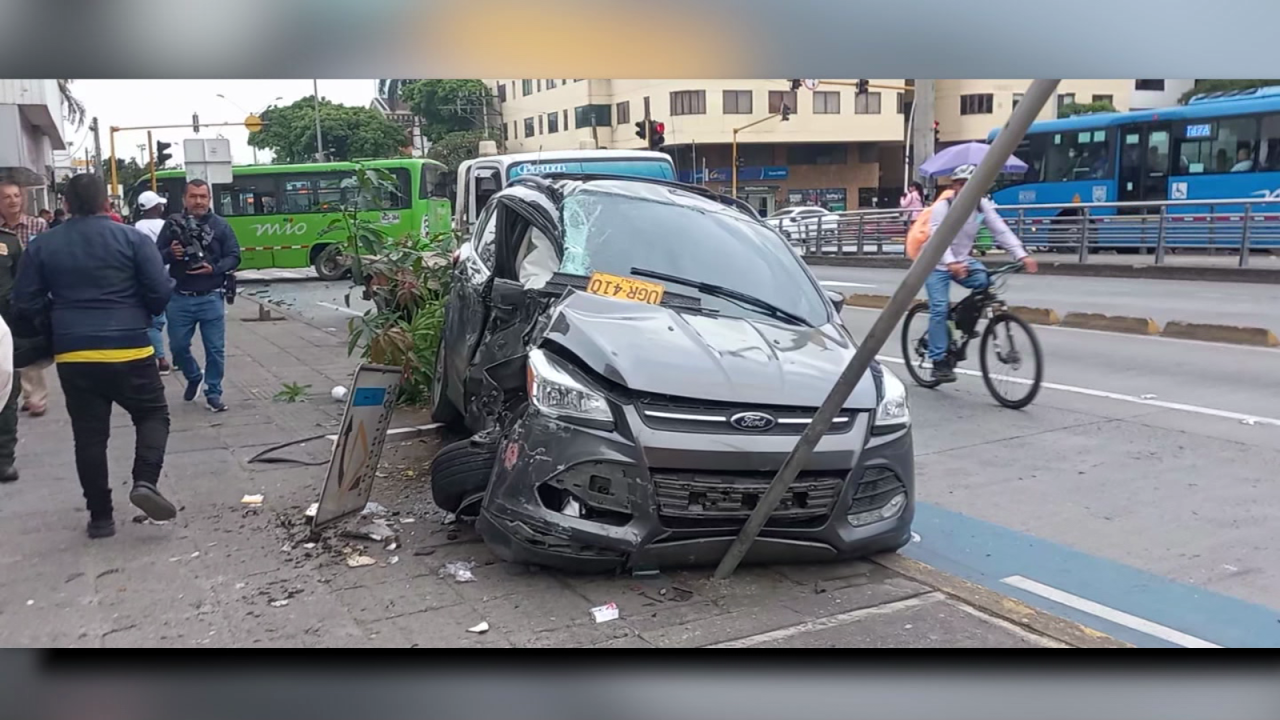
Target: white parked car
(804,223)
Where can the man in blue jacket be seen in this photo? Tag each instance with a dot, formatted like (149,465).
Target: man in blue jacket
(200,292)
(96,284)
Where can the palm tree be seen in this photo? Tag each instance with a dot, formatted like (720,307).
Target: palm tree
(71,105)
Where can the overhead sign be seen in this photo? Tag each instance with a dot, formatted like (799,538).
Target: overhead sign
(810,84)
(253,123)
(363,432)
(207,159)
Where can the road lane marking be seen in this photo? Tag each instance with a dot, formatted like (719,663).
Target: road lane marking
(340,309)
(1182,407)
(832,621)
(1107,613)
(841,283)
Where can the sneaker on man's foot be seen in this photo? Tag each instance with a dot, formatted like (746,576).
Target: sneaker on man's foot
(9,474)
(101,528)
(942,372)
(35,411)
(216,404)
(193,389)
(148,499)
(162,363)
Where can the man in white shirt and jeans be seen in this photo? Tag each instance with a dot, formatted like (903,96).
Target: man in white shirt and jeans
(959,265)
(152,220)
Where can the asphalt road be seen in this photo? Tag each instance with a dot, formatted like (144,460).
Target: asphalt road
(1247,304)
(1137,495)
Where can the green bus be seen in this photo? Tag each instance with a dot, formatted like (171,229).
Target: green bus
(279,211)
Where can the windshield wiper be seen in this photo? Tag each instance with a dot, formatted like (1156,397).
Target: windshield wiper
(726,293)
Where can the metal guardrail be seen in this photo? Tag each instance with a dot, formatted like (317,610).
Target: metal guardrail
(1242,226)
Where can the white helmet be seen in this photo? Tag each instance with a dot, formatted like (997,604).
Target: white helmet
(964,172)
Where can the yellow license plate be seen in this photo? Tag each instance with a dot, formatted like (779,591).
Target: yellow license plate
(624,288)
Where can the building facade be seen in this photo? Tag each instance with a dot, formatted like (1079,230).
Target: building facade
(837,149)
(30,133)
(415,144)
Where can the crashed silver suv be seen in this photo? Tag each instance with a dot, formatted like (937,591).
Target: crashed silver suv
(634,360)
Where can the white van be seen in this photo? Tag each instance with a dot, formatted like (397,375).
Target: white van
(480,178)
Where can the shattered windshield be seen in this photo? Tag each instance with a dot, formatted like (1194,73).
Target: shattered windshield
(613,228)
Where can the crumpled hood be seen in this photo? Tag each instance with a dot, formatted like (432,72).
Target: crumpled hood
(653,349)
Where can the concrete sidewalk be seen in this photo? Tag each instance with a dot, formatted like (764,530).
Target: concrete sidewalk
(228,575)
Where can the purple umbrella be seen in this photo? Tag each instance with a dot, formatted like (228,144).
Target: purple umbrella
(944,163)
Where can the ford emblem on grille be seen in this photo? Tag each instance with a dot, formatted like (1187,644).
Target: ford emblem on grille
(752,421)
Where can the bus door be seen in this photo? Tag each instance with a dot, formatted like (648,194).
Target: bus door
(1145,164)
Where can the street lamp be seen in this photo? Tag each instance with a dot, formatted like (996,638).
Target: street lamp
(247,113)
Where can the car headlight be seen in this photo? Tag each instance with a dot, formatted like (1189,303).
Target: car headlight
(554,391)
(892,413)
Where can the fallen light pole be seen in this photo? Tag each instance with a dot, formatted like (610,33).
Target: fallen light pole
(963,208)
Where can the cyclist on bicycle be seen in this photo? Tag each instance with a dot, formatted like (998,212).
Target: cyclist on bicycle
(957,264)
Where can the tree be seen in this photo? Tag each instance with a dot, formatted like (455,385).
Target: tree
(71,105)
(456,147)
(1208,86)
(128,172)
(447,106)
(349,132)
(1099,106)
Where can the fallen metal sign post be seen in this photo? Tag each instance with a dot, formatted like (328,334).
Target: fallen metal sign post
(962,209)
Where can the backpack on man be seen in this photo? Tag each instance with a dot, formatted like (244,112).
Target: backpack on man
(921,230)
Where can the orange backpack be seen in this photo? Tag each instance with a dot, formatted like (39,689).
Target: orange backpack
(920,230)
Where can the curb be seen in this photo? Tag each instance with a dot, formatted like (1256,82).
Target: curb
(1259,337)
(1111,323)
(1035,316)
(1006,608)
(1267,275)
(876,302)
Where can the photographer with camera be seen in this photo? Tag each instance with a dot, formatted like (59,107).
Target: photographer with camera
(201,251)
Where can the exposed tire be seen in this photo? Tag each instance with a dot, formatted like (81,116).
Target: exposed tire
(442,408)
(328,263)
(460,472)
(911,334)
(1036,356)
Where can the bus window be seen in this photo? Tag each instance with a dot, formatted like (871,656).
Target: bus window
(435,182)
(1222,146)
(1269,145)
(390,199)
(1078,155)
(486,186)
(246,196)
(1030,151)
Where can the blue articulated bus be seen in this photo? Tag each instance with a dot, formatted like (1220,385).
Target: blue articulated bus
(1220,146)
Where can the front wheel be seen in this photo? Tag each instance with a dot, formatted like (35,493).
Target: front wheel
(915,346)
(1010,346)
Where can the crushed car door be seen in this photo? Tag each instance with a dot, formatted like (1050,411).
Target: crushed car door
(466,310)
(525,229)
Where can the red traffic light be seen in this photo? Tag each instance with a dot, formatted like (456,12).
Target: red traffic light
(659,128)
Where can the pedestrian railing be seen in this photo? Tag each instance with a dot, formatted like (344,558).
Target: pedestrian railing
(1232,226)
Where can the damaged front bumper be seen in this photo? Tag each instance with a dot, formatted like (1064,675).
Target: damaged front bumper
(644,498)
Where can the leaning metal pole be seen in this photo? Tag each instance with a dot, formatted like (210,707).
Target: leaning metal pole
(963,208)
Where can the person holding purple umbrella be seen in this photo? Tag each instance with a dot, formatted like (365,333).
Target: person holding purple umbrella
(958,265)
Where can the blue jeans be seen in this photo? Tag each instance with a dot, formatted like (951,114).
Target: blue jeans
(939,288)
(156,331)
(185,314)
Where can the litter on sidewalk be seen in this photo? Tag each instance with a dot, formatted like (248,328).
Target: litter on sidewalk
(479,629)
(459,570)
(251,500)
(605,613)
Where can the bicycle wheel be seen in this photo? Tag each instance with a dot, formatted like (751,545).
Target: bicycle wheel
(915,346)
(1011,355)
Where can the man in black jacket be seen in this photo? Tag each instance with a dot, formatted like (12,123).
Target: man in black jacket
(199,294)
(10,254)
(100,282)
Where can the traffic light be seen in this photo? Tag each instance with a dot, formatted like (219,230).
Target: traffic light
(795,85)
(640,133)
(741,162)
(786,112)
(935,132)
(863,86)
(195,123)
(162,157)
(656,139)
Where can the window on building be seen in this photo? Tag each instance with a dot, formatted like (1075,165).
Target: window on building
(1082,155)
(1065,99)
(506,132)
(977,104)
(593,116)
(737,102)
(553,122)
(1219,146)
(1269,144)
(689,102)
(867,104)
(502,92)
(566,118)
(539,85)
(777,97)
(526,87)
(551,84)
(539,124)
(1154,85)
(755,155)
(817,154)
(827,103)
(623,112)
(528,127)
(903,107)
(1017,98)
(1108,99)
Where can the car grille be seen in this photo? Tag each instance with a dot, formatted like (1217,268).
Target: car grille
(877,487)
(692,416)
(690,499)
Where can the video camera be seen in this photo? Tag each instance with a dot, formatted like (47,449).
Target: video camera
(194,239)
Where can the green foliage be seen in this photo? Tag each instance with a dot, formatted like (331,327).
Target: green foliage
(456,147)
(1208,86)
(292,393)
(128,172)
(1100,106)
(407,278)
(349,132)
(437,103)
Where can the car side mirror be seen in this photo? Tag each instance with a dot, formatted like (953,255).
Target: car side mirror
(837,300)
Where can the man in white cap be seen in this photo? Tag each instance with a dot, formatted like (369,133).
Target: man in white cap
(152,220)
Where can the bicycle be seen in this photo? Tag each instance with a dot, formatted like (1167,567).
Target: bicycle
(962,324)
